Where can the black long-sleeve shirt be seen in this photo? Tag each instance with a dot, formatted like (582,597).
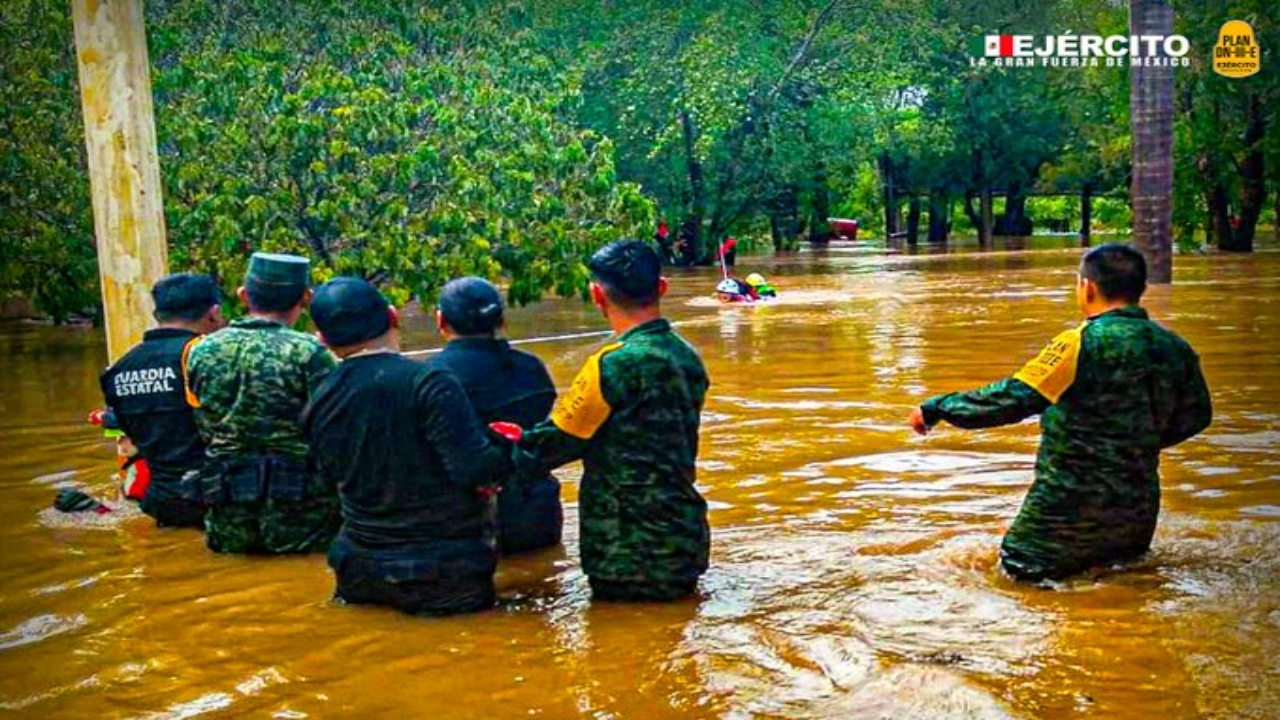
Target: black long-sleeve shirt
(406,449)
(145,390)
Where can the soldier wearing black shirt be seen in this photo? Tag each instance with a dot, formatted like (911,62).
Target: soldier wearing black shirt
(144,389)
(504,385)
(410,459)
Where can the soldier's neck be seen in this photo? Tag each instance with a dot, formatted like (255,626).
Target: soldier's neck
(621,322)
(286,319)
(1105,306)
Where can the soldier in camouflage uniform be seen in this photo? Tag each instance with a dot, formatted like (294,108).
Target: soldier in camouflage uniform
(632,416)
(1112,393)
(248,384)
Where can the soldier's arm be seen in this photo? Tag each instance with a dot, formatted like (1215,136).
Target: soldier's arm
(1029,392)
(1003,402)
(1193,410)
(575,419)
(472,457)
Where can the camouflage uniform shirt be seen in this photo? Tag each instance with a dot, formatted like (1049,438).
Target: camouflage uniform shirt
(1112,393)
(632,416)
(248,384)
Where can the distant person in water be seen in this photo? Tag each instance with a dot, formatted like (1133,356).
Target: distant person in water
(666,247)
(728,253)
(734,290)
(1112,393)
(761,286)
(411,460)
(504,385)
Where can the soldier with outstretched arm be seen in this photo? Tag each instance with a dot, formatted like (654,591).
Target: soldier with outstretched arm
(1112,393)
(632,415)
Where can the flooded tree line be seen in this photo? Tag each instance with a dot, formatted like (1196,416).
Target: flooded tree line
(415,142)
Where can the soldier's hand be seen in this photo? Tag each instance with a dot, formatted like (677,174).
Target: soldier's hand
(917,422)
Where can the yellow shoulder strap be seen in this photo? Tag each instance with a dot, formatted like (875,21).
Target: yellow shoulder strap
(192,400)
(1052,371)
(582,410)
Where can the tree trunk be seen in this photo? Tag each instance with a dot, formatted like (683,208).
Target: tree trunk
(785,217)
(1253,188)
(939,218)
(691,229)
(890,196)
(818,226)
(1086,215)
(1151,125)
(986,211)
(1014,221)
(1219,228)
(913,220)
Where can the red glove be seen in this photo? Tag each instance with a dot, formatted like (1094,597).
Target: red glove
(95,416)
(510,431)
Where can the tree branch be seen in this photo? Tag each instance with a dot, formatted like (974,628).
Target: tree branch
(802,52)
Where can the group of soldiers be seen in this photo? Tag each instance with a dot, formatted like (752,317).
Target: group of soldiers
(417,476)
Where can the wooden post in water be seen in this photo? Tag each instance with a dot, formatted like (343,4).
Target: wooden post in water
(124,172)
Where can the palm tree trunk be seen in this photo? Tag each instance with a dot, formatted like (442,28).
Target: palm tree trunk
(1151,123)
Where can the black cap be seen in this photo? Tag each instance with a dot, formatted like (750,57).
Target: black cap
(349,311)
(184,296)
(471,306)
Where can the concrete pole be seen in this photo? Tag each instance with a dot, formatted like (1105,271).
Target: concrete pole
(124,171)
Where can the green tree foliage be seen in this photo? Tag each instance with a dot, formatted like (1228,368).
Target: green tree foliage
(46,228)
(415,141)
(409,144)
(1227,131)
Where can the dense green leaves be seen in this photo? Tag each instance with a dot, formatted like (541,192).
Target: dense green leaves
(46,227)
(407,144)
(416,141)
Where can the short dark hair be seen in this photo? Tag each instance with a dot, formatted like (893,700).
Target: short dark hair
(471,306)
(1119,271)
(629,271)
(349,311)
(273,297)
(184,297)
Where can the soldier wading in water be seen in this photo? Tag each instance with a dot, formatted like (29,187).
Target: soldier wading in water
(1112,393)
(248,384)
(632,416)
(411,461)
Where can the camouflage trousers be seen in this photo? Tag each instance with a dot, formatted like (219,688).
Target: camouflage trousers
(627,591)
(1053,538)
(273,526)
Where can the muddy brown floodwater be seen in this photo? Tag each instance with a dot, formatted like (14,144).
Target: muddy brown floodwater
(853,566)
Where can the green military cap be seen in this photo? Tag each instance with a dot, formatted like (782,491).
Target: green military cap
(279,269)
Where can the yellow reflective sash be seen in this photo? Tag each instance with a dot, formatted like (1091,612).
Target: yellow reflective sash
(582,410)
(1052,371)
